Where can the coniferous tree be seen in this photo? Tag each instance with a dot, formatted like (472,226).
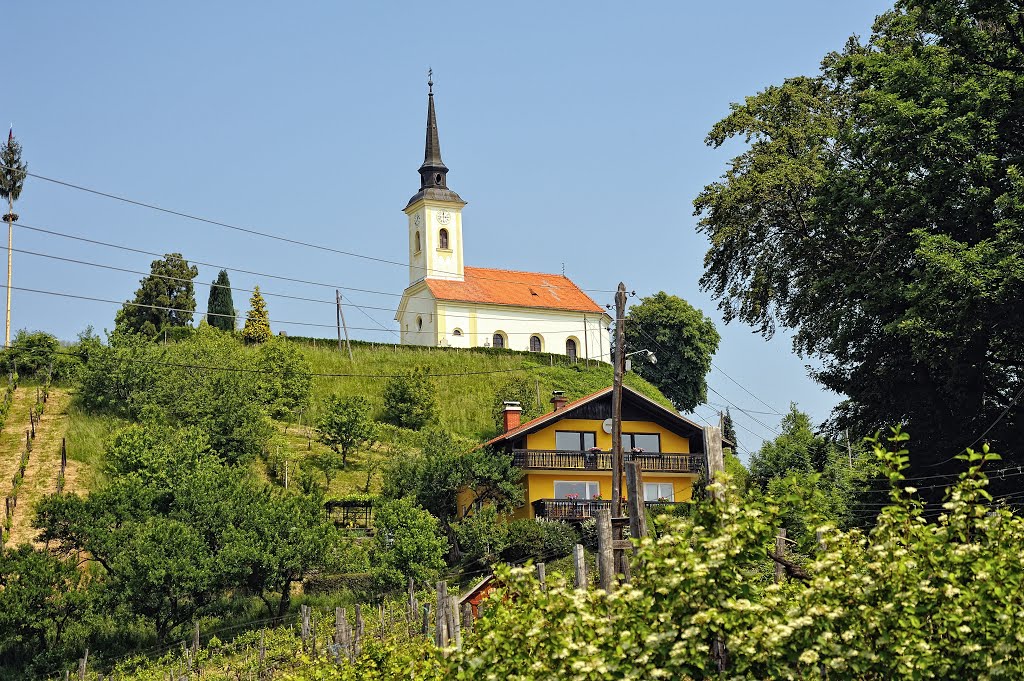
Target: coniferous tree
(729,429)
(12,175)
(257,322)
(220,309)
(165,298)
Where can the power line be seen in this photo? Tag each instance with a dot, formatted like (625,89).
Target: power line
(268,235)
(753,418)
(216,314)
(233,269)
(722,371)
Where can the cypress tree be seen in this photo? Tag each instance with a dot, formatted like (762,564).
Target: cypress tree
(257,322)
(729,429)
(220,309)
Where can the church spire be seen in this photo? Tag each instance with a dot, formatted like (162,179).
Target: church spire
(433,170)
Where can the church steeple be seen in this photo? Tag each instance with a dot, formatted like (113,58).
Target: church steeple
(433,172)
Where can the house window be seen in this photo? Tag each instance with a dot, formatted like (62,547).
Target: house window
(498,340)
(574,440)
(659,491)
(442,239)
(577,489)
(570,349)
(457,332)
(535,344)
(649,442)
(418,242)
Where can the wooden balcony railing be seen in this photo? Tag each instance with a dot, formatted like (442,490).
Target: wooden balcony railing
(602,461)
(581,509)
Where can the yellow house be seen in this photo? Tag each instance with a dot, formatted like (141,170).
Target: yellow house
(565,455)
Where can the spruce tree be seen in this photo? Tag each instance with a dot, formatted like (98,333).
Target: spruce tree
(729,429)
(257,322)
(220,309)
(165,298)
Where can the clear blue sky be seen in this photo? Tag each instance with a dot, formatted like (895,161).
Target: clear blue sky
(574,130)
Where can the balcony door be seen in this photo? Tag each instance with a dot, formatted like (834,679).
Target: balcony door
(574,440)
(577,489)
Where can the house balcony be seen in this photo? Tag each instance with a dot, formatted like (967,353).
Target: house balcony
(550,459)
(581,509)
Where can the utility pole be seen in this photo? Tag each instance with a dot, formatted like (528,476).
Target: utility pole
(12,179)
(620,339)
(341,325)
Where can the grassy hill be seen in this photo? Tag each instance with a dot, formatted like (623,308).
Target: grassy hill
(465,382)
(465,400)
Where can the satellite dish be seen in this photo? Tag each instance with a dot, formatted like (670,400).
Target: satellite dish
(607,426)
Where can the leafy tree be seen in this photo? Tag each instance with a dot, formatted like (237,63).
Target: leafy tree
(685,341)
(483,535)
(516,389)
(165,298)
(41,596)
(877,211)
(31,354)
(257,321)
(220,308)
(407,543)
(285,379)
(345,424)
(409,400)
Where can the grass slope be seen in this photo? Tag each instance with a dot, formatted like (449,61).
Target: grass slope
(464,401)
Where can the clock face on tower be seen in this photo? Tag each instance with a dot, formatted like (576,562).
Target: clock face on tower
(444,217)
(416,219)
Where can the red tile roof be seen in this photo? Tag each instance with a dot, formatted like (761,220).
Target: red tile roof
(508,287)
(549,416)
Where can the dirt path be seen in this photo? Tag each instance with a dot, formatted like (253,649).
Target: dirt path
(12,437)
(43,465)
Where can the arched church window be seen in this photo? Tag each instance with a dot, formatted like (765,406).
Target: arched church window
(457,332)
(419,323)
(498,341)
(535,344)
(418,242)
(570,349)
(442,239)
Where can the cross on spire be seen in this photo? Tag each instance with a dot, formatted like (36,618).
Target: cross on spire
(430,79)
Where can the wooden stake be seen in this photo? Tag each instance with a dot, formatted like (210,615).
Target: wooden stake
(456,628)
(581,567)
(605,553)
(440,639)
(715,457)
(360,629)
(541,577)
(780,550)
(635,492)
(467,616)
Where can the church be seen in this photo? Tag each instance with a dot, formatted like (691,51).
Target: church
(450,304)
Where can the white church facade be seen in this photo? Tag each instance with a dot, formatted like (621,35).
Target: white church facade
(450,304)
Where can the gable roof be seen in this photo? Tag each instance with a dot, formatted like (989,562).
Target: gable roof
(509,287)
(628,395)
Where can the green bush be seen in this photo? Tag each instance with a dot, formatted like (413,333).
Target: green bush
(482,536)
(409,400)
(539,539)
(920,596)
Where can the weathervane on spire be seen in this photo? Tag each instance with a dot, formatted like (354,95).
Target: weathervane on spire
(430,79)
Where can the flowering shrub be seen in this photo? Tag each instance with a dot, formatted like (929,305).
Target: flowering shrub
(909,599)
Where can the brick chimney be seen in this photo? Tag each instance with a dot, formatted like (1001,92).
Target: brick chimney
(558,399)
(513,412)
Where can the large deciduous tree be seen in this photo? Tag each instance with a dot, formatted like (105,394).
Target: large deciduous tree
(220,308)
(683,339)
(878,212)
(165,298)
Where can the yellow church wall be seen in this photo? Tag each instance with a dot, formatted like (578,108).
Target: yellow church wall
(671,443)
